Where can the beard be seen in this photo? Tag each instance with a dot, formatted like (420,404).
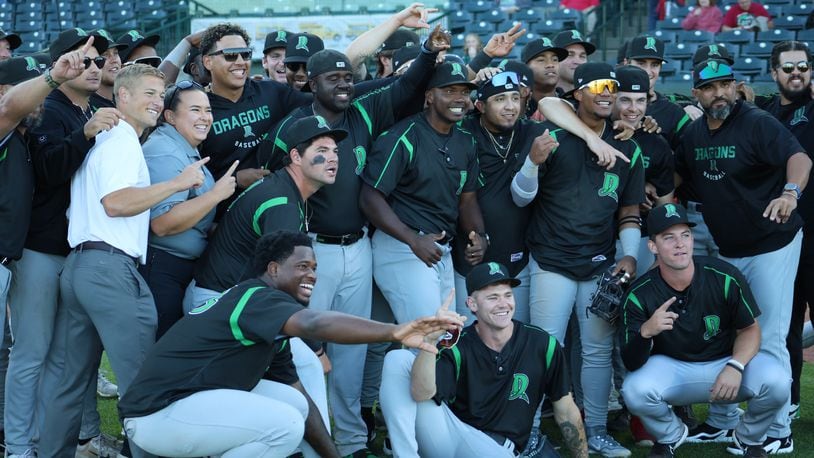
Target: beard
(720,113)
(795,95)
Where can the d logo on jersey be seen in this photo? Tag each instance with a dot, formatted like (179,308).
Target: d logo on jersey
(712,323)
(361,158)
(520,384)
(799,116)
(609,186)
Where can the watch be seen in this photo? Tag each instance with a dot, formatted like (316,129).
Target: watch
(793,188)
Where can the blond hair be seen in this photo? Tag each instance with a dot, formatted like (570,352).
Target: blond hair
(130,75)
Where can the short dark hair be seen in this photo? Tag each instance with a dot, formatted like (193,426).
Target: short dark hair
(218,31)
(785,46)
(276,247)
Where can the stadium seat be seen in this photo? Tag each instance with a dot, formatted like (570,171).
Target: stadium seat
(571,18)
(479,6)
(548,28)
(679,51)
(28,7)
(29,47)
(529,15)
(87,5)
(120,15)
(777,2)
(669,68)
(669,24)
(806,35)
(53,7)
(749,66)
(760,49)
(22,26)
(481,28)
(458,41)
(802,9)
(525,38)
(152,5)
(695,36)
(790,22)
(508,24)
(458,21)
(735,37)
(775,36)
(117,5)
(763,78)
(681,11)
(495,16)
(678,77)
(667,36)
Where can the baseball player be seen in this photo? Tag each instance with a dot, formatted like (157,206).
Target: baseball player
(298,49)
(578,51)
(8,43)
(274,54)
(544,59)
(103,97)
(140,49)
(419,192)
(572,234)
(794,107)
(479,396)
(690,335)
(749,173)
(221,382)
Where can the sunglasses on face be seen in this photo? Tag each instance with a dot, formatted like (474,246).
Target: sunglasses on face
(181,86)
(788,67)
(231,54)
(152,61)
(295,66)
(599,86)
(99,61)
(504,78)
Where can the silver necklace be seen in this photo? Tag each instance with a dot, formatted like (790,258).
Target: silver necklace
(497,145)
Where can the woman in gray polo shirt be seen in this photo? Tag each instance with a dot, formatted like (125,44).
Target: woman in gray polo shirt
(180,223)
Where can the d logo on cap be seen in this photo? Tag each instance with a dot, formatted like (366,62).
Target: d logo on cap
(671,211)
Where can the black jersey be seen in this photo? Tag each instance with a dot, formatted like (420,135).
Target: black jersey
(505,222)
(230,342)
(16,194)
(796,118)
(658,161)
(239,127)
(271,204)
(717,303)
(422,173)
(97,101)
(671,118)
(499,391)
(573,216)
(737,170)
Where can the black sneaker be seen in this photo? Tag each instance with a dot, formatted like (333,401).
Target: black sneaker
(778,446)
(749,451)
(668,450)
(705,433)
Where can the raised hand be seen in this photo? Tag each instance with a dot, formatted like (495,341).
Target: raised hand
(104,119)
(71,64)
(662,320)
(439,39)
(192,176)
(501,44)
(415,16)
(225,187)
(542,147)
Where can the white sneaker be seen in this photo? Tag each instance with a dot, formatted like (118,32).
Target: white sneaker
(105,388)
(101,446)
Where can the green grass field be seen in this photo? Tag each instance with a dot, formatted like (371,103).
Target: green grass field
(803,428)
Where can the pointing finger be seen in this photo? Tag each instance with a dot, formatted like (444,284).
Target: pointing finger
(232,169)
(201,162)
(666,304)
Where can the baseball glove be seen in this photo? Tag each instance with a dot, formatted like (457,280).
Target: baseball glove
(606,300)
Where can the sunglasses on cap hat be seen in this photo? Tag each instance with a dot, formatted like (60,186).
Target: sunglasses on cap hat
(152,61)
(231,54)
(180,86)
(788,67)
(597,87)
(715,71)
(504,78)
(99,61)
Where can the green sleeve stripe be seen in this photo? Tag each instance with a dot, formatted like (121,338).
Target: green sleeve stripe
(631,297)
(407,145)
(262,208)
(456,355)
(727,280)
(235,316)
(279,143)
(553,134)
(282,347)
(552,347)
(365,116)
(5,153)
(681,123)
(637,155)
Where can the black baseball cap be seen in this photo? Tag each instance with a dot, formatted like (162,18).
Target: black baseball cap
(14,40)
(662,218)
(305,129)
(399,39)
(193,53)
(502,82)
(134,39)
(621,54)
(593,71)
(301,46)
(276,39)
(22,68)
(540,45)
(573,37)
(710,71)
(712,51)
(405,54)
(450,74)
(327,60)
(71,38)
(646,47)
(487,274)
(632,79)
(524,72)
(111,43)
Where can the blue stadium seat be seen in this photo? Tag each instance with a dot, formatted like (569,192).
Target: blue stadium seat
(790,22)
(566,16)
(88,5)
(495,16)
(763,78)
(508,24)
(679,51)
(53,7)
(806,35)
(152,5)
(459,19)
(759,49)
(529,15)
(735,37)
(458,41)
(548,27)
(6,24)
(525,38)
(695,36)
(117,5)
(22,26)
(669,24)
(29,47)
(678,77)
(667,36)
(751,66)
(669,68)
(777,2)
(681,11)
(29,6)
(802,9)
(481,28)
(479,6)
(120,15)
(775,36)
(155,15)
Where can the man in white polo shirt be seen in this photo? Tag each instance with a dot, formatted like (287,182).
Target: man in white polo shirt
(107,302)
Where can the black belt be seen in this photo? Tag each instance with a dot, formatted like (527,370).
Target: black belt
(101,246)
(5,261)
(347,239)
(444,241)
(501,440)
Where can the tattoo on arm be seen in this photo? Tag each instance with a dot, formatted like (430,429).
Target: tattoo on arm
(574,437)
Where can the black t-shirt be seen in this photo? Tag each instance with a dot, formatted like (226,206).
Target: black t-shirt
(797,117)
(671,118)
(239,127)
(16,194)
(231,342)
(659,165)
(737,170)
(271,204)
(97,101)
(711,310)
(504,221)
(499,391)
(422,173)
(573,217)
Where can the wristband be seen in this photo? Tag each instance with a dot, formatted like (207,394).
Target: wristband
(629,238)
(735,364)
(49,80)
(529,169)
